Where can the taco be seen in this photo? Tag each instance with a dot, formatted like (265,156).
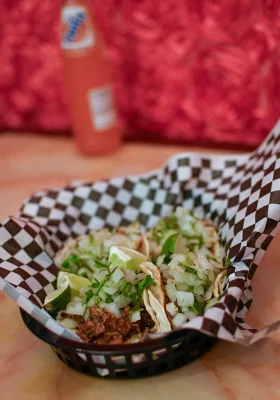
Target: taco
(188,255)
(106,291)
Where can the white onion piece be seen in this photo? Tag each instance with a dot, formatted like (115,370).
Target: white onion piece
(113,308)
(75,308)
(172,309)
(129,276)
(179,320)
(117,275)
(171,290)
(121,301)
(135,316)
(69,323)
(190,314)
(110,289)
(185,299)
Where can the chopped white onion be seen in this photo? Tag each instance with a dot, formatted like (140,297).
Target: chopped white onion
(185,299)
(190,314)
(69,323)
(208,293)
(112,307)
(160,260)
(121,301)
(110,289)
(102,295)
(171,290)
(117,275)
(75,308)
(182,286)
(130,276)
(172,309)
(179,320)
(84,243)
(91,302)
(83,291)
(101,274)
(135,316)
(191,279)
(141,276)
(199,290)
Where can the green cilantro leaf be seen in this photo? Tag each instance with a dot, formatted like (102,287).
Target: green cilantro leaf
(201,240)
(89,295)
(74,258)
(95,284)
(227,261)
(148,281)
(154,259)
(190,270)
(65,264)
(100,264)
(188,262)
(210,258)
(198,307)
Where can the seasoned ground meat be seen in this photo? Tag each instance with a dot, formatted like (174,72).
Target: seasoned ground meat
(103,327)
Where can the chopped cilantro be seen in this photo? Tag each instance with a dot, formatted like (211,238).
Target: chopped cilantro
(188,261)
(198,307)
(201,240)
(95,284)
(109,299)
(104,280)
(190,270)
(192,225)
(148,281)
(89,295)
(227,261)
(100,264)
(74,258)
(154,259)
(135,293)
(167,259)
(164,224)
(65,264)
(210,258)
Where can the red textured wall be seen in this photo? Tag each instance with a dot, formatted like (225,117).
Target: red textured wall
(197,70)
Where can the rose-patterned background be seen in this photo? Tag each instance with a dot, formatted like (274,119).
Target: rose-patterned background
(197,70)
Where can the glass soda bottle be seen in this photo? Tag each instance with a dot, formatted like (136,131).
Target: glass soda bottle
(87,79)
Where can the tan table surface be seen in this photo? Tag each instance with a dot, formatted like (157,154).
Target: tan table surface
(28,367)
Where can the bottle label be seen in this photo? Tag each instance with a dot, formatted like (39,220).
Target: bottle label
(101,106)
(77,32)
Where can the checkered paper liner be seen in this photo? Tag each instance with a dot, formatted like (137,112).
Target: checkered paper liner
(239,193)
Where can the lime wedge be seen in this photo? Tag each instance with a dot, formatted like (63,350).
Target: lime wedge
(126,258)
(58,299)
(75,282)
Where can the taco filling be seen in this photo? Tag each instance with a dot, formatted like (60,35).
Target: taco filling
(100,287)
(117,286)
(187,252)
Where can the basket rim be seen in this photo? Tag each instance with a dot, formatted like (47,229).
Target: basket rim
(119,349)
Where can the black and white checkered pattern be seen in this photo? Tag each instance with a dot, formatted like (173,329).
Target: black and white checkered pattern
(241,194)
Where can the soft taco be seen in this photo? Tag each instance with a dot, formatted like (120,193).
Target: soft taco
(107,292)
(188,255)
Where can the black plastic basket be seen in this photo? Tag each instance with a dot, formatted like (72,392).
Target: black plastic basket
(154,356)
